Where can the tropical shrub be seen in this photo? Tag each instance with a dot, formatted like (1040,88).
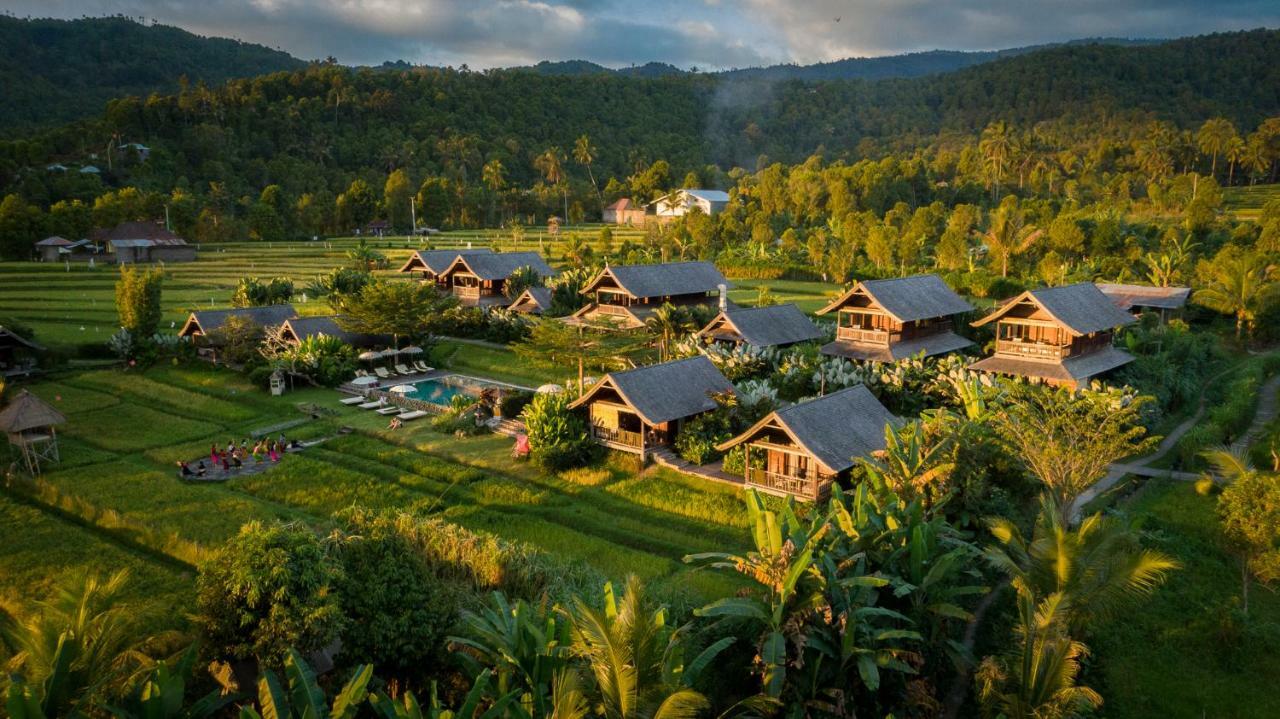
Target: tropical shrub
(325,360)
(254,292)
(268,589)
(558,437)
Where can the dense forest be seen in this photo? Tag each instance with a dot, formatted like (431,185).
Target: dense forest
(59,70)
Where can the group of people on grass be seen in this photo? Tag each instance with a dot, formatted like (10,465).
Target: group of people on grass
(234,456)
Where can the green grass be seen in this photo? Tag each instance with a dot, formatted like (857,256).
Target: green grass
(492,363)
(1176,655)
(1247,202)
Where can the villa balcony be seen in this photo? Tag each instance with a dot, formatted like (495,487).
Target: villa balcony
(803,487)
(473,293)
(617,437)
(1032,350)
(869,336)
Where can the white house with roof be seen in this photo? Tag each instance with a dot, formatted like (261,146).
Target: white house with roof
(681,202)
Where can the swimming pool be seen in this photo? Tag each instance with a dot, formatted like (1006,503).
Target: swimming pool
(442,390)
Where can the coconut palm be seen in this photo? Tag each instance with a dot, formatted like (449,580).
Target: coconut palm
(1239,283)
(494,176)
(1214,139)
(636,659)
(1009,234)
(1037,679)
(668,322)
(75,646)
(551,164)
(997,147)
(584,153)
(1094,570)
(162,694)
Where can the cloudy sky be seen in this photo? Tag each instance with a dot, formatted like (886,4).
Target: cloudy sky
(711,34)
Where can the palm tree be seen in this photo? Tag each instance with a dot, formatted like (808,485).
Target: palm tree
(997,147)
(585,153)
(493,174)
(363,257)
(1009,234)
(1037,679)
(1236,153)
(1214,138)
(1094,571)
(551,164)
(73,647)
(669,322)
(1239,283)
(523,645)
(636,659)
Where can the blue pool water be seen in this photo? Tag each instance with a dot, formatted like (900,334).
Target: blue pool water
(436,391)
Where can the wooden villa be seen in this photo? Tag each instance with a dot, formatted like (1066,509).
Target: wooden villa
(1167,302)
(802,449)
(202,325)
(296,329)
(1057,335)
(770,326)
(479,279)
(894,319)
(625,295)
(642,409)
(533,301)
(430,264)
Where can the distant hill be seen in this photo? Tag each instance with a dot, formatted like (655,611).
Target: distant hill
(913,64)
(59,70)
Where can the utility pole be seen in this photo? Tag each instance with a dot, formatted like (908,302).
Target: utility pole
(413,216)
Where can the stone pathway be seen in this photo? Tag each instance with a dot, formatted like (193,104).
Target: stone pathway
(714,471)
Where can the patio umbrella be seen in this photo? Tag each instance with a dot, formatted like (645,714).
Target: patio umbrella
(403,389)
(369,355)
(363,381)
(549,389)
(411,350)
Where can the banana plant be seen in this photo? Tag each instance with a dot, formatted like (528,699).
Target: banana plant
(303,698)
(783,564)
(162,694)
(408,706)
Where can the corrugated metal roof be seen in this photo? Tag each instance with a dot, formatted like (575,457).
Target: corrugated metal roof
(1126,296)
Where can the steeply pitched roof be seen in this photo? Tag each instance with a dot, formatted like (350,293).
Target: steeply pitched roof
(665,392)
(834,428)
(500,265)
(304,327)
(1165,298)
(15,338)
(150,231)
(207,321)
(538,298)
(671,278)
(908,299)
(767,326)
(27,412)
(437,261)
(1080,308)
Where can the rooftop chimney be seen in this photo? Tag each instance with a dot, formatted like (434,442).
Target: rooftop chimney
(724,296)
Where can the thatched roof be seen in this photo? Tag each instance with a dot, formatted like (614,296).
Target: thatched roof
(303,327)
(1080,308)
(765,326)
(27,412)
(669,278)
(929,345)
(1072,369)
(907,299)
(834,429)
(437,261)
(207,321)
(534,300)
(1161,298)
(11,338)
(665,392)
(499,265)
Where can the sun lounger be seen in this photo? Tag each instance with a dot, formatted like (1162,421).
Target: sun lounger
(390,409)
(407,416)
(382,372)
(371,405)
(361,373)
(403,370)
(422,367)
(353,400)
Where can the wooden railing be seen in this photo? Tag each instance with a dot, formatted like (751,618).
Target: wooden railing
(617,436)
(803,487)
(1034,350)
(613,310)
(855,334)
(472,292)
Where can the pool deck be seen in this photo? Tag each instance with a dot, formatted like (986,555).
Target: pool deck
(385,384)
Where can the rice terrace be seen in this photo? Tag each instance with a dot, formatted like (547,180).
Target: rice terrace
(913,385)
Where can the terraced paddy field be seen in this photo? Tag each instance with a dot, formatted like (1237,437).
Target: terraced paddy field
(1247,202)
(116,500)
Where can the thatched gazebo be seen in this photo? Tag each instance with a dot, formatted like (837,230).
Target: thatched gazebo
(30,423)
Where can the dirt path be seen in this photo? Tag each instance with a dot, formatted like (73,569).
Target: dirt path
(1268,406)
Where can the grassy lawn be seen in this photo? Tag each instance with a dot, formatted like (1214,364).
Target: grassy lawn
(1181,654)
(492,363)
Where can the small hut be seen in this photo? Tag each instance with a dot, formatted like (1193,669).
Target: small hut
(533,301)
(30,423)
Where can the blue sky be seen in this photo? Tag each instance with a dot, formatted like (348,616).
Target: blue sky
(710,34)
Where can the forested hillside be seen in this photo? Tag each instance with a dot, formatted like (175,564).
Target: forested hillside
(58,70)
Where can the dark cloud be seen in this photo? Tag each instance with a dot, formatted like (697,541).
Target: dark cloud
(707,33)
